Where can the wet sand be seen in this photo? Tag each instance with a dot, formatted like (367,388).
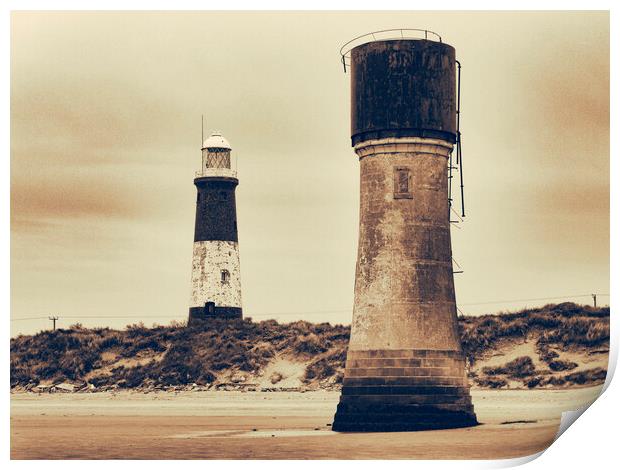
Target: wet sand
(278,425)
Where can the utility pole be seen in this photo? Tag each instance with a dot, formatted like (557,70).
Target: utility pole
(594,298)
(53,321)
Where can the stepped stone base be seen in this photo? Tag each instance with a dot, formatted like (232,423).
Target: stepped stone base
(404,390)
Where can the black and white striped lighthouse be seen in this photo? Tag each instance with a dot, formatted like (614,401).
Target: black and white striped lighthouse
(216,278)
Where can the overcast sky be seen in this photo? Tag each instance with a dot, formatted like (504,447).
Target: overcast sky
(105,139)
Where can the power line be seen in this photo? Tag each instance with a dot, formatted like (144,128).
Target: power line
(313,312)
(539,298)
(119,316)
(304,313)
(97,317)
(29,318)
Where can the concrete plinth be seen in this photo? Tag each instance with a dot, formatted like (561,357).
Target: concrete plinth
(404,390)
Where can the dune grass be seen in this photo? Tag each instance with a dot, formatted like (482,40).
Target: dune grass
(179,355)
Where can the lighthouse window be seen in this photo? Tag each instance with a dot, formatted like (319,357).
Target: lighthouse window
(402,183)
(225,276)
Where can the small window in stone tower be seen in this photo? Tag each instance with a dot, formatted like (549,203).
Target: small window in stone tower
(402,183)
(225,276)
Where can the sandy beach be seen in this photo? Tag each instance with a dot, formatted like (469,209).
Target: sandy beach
(278,425)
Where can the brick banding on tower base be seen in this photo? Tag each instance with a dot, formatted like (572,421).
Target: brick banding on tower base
(404,390)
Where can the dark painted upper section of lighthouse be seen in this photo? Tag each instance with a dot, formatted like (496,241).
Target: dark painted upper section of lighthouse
(403,88)
(216,214)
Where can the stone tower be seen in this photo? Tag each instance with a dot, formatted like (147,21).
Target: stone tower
(405,369)
(216,278)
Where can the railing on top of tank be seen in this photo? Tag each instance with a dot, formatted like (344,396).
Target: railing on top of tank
(401,33)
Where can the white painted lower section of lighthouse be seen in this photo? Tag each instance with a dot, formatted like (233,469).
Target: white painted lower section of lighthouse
(216,274)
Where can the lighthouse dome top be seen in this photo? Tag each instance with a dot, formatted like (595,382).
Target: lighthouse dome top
(216,140)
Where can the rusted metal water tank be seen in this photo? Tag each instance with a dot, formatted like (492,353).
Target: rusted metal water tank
(403,88)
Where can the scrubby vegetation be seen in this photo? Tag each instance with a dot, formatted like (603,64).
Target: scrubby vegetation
(590,376)
(562,365)
(328,365)
(178,355)
(565,325)
(516,369)
(491,382)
